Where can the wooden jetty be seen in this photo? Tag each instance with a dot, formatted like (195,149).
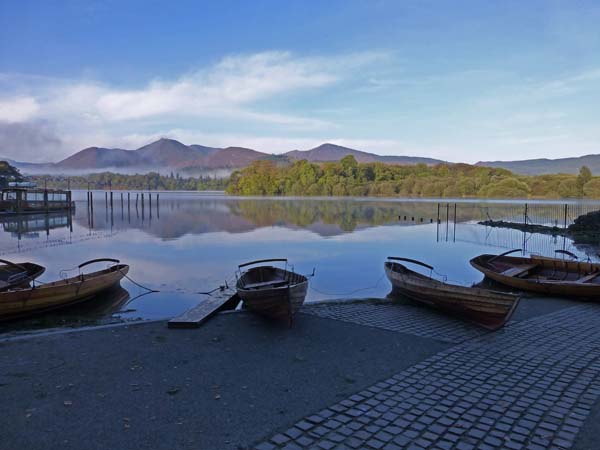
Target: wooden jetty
(193,318)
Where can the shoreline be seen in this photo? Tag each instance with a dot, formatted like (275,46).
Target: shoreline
(469,200)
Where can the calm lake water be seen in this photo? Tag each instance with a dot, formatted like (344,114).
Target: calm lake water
(192,243)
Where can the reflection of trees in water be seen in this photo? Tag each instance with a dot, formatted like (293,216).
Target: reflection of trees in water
(347,215)
(180,216)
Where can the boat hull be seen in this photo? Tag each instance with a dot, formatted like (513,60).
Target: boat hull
(488,309)
(564,273)
(279,302)
(59,294)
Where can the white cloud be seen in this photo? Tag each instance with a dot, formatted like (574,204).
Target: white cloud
(236,89)
(229,89)
(18,109)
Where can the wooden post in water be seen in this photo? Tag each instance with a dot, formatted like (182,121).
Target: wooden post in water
(111,201)
(92,209)
(150,204)
(437,224)
(121,201)
(447,218)
(46,206)
(136,201)
(106,199)
(525,215)
(142,206)
(566,213)
(454,238)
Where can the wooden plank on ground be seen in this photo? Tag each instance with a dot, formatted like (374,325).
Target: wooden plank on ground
(200,313)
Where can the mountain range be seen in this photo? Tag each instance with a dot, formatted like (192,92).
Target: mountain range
(169,155)
(546,166)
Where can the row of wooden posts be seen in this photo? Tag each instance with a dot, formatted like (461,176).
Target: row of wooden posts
(145,199)
(438,220)
(108,200)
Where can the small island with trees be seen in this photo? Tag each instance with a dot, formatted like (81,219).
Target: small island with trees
(347,177)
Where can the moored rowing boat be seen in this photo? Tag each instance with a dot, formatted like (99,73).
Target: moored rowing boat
(489,309)
(21,302)
(541,274)
(271,291)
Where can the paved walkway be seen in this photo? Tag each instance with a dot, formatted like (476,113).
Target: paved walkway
(408,318)
(531,385)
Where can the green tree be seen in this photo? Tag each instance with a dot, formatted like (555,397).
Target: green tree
(585,175)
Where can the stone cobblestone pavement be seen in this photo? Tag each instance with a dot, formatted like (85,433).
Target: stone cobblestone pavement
(407,318)
(531,385)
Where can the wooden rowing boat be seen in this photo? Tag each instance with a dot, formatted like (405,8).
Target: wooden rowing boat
(544,275)
(489,309)
(271,291)
(21,302)
(18,274)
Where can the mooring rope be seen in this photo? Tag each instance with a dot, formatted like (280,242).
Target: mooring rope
(138,284)
(331,294)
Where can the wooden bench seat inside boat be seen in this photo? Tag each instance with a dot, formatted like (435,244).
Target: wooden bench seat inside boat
(518,270)
(588,277)
(270,283)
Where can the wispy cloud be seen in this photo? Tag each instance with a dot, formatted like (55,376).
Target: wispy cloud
(531,92)
(231,88)
(18,109)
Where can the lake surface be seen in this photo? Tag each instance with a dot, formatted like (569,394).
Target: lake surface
(190,243)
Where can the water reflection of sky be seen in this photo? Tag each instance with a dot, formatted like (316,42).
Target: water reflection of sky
(194,243)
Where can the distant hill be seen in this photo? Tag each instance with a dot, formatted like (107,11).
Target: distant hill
(331,152)
(232,157)
(547,166)
(201,149)
(168,155)
(99,158)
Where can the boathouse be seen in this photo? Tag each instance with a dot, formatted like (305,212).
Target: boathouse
(19,200)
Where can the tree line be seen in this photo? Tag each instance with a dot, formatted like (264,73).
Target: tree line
(347,177)
(149,181)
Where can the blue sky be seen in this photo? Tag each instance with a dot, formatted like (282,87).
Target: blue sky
(455,80)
